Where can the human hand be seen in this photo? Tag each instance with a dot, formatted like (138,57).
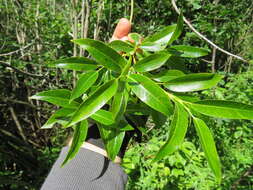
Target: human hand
(122,30)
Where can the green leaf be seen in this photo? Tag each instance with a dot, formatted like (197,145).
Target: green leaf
(177,63)
(121,46)
(103,54)
(120,99)
(178,30)
(75,63)
(177,132)
(151,62)
(193,82)
(80,133)
(135,37)
(150,93)
(58,97)
(83,84)
(167,75)
(189,51)
(94,102)
(113,140)
(223,109)
(152,46)
(208,145)
(104,117)
(56,117)
(158,118)
(162,37)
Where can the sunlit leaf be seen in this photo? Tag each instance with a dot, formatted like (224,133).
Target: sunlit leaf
(223,109)
(96,101)
(103,54)
(58,97)
(83,84)
(80,133)
(167,75)
(151,62)
(113,140)
(178,30)
(56,117)
(208,145)
(189,51)
(150,93)
(193,82)
(178,129)
(74,63)
(121,46)
(104,117)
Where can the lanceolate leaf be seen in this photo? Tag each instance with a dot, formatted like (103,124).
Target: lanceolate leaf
(193,82)
(104,117)
(151,62)
(80,133)
(56,117)
(103,54)
(159,40)
(150,93)
(189,51)
(208,145)
(58,97)
(113,140)
(119,45)
(75,63)
(178,30)
(177,132)
(162,37)
(96,101)
(223,109)
(119,102)
(152,46)
(167,75)
(83,84)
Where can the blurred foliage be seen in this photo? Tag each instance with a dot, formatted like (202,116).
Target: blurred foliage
(45,28)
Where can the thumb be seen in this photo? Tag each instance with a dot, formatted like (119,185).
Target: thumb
(122,29)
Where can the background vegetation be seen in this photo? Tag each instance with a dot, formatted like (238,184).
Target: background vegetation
(34,32)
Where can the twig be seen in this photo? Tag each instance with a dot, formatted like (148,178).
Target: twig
(22,48)
(18,102)
(204,38)
(132,11)
(20,71)
(14,116)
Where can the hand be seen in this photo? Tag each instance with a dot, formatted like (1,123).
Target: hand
(122,30)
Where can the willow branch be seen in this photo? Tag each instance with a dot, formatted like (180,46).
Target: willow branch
(20,71)
(205,38)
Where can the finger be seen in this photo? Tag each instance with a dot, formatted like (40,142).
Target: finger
(122,29)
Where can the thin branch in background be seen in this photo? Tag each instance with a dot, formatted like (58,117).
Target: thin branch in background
(15,118)
(20,71)
(132,11)
(18,102)
(16,51)
(82,25)
(212,62)
(75,33)
(99,13)
(206,39)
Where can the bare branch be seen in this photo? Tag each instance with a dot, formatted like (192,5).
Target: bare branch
(14,117)
(16,51)
(206,39)
(20,71)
